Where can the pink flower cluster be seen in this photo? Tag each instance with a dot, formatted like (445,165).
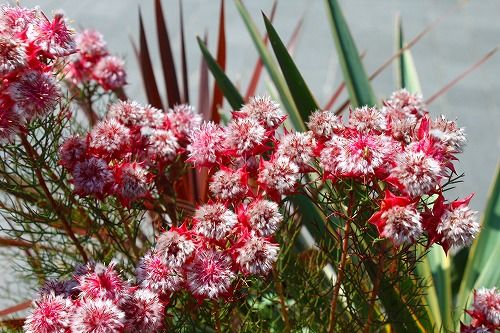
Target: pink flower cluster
(121,154)
(96,300)
(399,148)
(32,48)
(229,237)
(92,64)
(485,312)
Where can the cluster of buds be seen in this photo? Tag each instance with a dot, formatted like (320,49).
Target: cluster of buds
(96,299)
(485,312)
(123,153)
(32,50)
(406,158)
(93,65)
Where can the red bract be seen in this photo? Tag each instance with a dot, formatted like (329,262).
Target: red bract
(398,219)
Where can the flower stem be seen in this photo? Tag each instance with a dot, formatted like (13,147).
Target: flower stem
(281,295)
(340,276)
(376,285)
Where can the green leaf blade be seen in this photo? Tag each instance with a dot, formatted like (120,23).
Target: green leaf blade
(272,69)
(227,87)
(301,94)
(357,81)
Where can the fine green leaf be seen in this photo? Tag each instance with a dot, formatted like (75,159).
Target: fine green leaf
(230,92)
(301,94)
(355,77)
(272,68)
(483,248)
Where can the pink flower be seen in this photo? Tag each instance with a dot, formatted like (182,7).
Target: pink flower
(263,217)
(12,55)
(228,184)
(73,150)
(183,119)
(110,137)
(35,94)
(50,315)
(132,113)
(459,224)
(366,119)
(92,176)
(329,156)
(159,275)
(398,220)
(97,316)
(210,274)
(415,173)
(65,288)
(110,73)
(243,136)
(103,282)
(406,103)
(91,44)
(278,175)
(53,37)
(298,148)
(487,303)
(143,311)
(161,144)
(449,134)
(174,247)
(214,221)
(325,123)
(451,224)
(256,255)
(365,154)
(205,144)
(263,110)
(16,19)
(132,182)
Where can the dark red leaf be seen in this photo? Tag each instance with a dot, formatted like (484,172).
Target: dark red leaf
(203,93)
(185,83)
(221,60)
(167,60)
(148,76)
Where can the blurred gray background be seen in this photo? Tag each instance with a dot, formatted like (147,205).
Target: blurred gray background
(460,40)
